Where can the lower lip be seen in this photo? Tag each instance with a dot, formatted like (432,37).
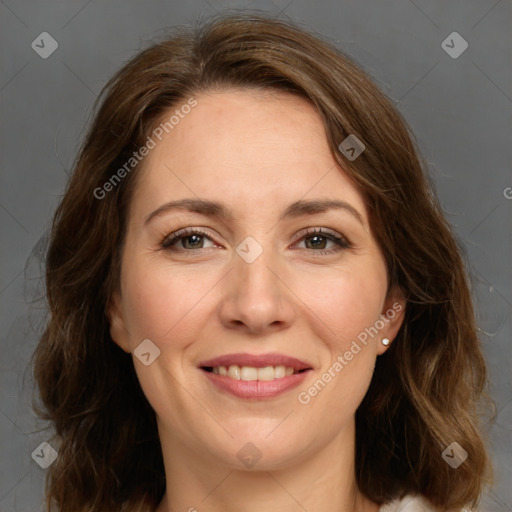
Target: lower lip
(256,389)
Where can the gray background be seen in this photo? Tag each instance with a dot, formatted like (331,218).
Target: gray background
(459,109)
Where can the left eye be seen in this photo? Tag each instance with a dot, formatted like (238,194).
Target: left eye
(194,239)
(319,239)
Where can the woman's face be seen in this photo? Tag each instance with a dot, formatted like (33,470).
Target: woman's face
(258,287)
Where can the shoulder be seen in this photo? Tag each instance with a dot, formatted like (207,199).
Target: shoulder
(407,504)
(410,503)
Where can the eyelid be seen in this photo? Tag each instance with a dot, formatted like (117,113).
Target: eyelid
(328,233)
(340,240)
(184,232)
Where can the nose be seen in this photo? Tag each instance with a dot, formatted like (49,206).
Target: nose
(256,297)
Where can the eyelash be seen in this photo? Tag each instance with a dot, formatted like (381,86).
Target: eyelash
(342,242)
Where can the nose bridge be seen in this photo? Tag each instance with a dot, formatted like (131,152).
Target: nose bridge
(256,296)
(253,266)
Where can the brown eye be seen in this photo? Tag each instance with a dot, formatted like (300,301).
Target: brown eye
(316,240)
(185,240)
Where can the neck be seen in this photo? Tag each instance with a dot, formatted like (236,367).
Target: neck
(321,479)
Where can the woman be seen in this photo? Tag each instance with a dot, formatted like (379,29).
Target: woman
(256,302)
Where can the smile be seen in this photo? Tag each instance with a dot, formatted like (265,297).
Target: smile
(249,373)
(255,376)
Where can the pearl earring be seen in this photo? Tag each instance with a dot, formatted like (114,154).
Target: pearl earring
(385,341)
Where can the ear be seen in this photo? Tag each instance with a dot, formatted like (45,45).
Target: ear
(115,316)
(393,314)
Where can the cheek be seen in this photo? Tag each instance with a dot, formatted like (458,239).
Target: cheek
(342,306)
(163,303)
(344,302)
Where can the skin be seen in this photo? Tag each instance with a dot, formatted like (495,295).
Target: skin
(256,153)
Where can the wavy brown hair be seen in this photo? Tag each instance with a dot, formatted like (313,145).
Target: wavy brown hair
(426,389)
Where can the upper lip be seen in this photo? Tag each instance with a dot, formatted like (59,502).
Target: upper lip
(256,361)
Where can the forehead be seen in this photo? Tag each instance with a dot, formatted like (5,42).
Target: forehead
(247,145)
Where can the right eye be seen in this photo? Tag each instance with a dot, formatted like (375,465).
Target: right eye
(190,239)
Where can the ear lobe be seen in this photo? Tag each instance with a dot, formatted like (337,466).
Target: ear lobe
(115,318)
(394,311)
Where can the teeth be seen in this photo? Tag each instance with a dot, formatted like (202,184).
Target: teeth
(266,373)
(251,373)
(248,373)
(280,372)
(234,372)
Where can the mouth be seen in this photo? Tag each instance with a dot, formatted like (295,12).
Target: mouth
(249,373)
(255,376)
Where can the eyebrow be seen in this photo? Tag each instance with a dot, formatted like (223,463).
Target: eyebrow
(220,211)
